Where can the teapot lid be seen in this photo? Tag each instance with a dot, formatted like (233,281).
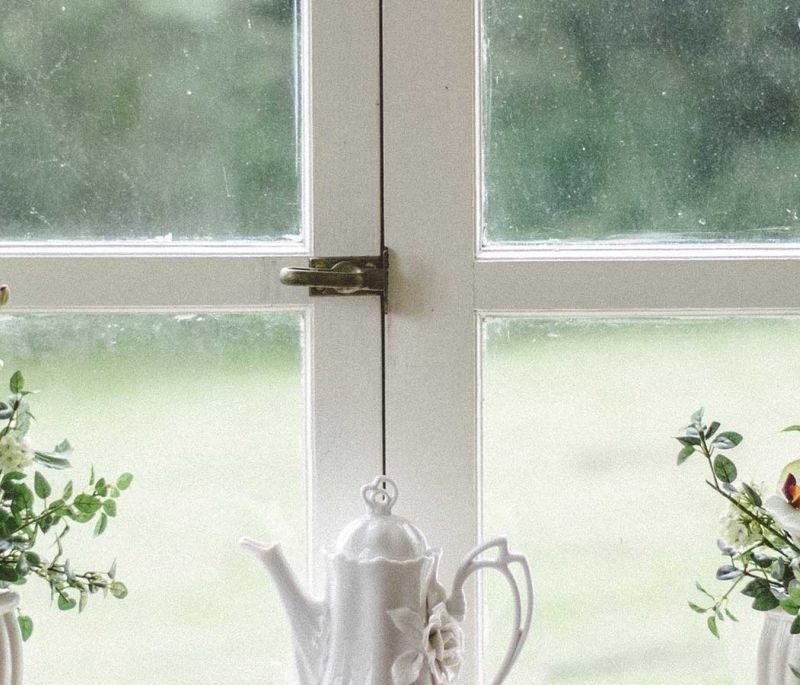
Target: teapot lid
(379,533)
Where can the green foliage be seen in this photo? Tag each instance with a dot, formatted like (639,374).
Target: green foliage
(140,119)
(724,469)
(763,559)
(610,118)
(28,515)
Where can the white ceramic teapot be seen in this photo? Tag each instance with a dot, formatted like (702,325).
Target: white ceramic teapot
(385,618)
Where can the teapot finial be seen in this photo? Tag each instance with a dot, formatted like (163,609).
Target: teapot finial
(380,496)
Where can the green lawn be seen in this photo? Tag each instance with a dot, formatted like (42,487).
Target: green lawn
(579,471)
(208,414)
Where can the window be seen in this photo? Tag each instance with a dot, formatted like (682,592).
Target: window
(535,200)
(162,161)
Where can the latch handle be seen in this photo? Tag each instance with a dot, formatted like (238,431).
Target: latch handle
(340,275)
(343,276)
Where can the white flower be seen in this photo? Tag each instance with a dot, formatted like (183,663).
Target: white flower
(439,646)
(785,515)
(736,531)
(15,452)
(785,508)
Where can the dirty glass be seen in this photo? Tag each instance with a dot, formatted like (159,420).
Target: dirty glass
(579,470)
(654,120)
(207,412)
(149,119)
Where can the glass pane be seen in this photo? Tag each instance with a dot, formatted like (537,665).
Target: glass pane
(168,119)
(207,412)
(580,471)
(651,120)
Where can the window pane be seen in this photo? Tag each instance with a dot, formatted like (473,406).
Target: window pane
(207,412)
(580,471)
(649,120)
(148,119)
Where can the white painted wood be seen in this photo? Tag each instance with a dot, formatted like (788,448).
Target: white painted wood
(340,44)
(649,284)
(431,432)
(344,196)
(124,283)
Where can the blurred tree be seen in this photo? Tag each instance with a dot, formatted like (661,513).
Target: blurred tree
(141,118)
(641,117)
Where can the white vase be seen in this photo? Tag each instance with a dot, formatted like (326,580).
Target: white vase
(10,640)
(777,648)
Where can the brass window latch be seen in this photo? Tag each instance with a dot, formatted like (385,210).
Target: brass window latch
(341,275)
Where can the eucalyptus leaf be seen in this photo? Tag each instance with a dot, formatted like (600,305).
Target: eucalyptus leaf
(724,469)
(17,382)
(102,523)
(712,625)
(789,607)
(728,572)
(763,560)
(765,602)
(700,588)
(51,461)
(25,626)
(118,590)
(684,454)
(65,603)
(124,481)
(752,495)
(756,587)
(727,440)
(8,573)
(41,486)
(87,504)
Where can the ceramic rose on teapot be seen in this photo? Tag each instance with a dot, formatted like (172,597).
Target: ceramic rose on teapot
(385,618)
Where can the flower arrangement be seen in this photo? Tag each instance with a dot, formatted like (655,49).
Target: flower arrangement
(760,537)
(29,510)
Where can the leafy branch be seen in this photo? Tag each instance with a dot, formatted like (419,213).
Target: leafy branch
(27,513)
(763,557)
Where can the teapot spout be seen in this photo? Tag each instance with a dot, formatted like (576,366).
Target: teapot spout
(307,616)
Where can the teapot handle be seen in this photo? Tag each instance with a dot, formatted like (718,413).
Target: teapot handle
(456,604)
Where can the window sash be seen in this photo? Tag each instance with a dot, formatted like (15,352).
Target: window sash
(342,196)
(445,280)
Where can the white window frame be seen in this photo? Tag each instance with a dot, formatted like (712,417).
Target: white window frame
(342,213)
(444,282)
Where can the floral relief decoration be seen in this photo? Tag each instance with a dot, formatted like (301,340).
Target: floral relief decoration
(440,645)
